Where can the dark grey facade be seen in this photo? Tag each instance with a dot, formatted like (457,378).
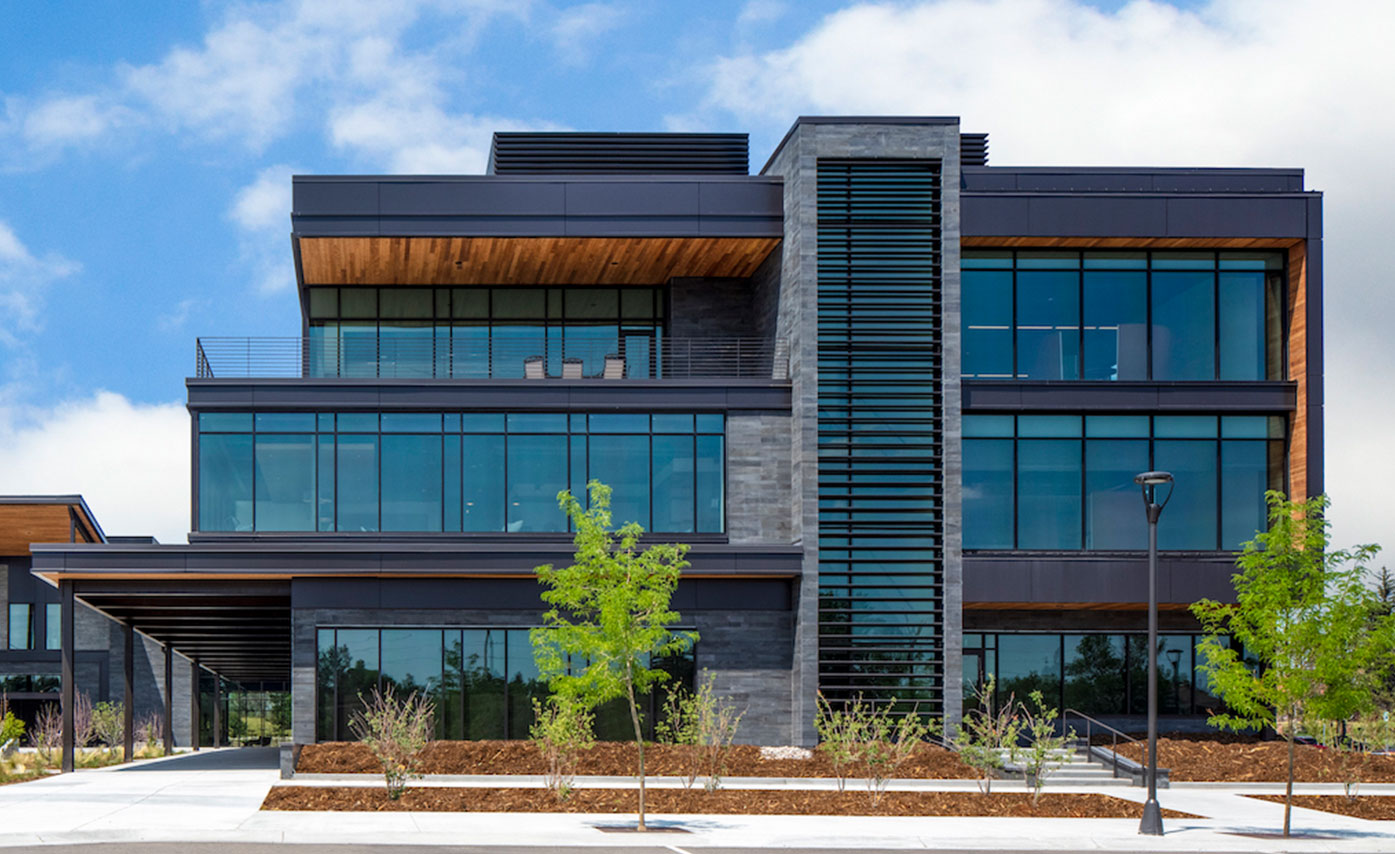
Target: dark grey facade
(800,373)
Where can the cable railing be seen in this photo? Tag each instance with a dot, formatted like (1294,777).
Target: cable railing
(383,357)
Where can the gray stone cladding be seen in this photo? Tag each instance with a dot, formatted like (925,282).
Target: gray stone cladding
(797,320)
(747,654)
(712,308)
(758,478)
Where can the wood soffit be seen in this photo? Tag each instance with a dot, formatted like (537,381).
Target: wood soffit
(527,260)
(22,524)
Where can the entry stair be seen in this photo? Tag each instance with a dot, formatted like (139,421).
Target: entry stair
(1085,761)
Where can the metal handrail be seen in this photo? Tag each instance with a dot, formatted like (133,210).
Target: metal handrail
(534,357)
(1113,739)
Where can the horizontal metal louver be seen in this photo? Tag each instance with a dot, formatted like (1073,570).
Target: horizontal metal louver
(881,520)
(619,154)
(973,149)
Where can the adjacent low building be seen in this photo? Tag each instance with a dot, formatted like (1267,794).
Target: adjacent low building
(893,397)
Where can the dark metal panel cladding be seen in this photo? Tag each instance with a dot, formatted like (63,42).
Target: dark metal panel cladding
(973,149)
(1237,217)
(526,153)
(1067,216)
(1095,578)
(880,449)
(1163,181)
(1068,396)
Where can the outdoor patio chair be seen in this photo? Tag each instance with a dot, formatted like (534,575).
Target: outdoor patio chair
(614,367)
(571,369)
(533,368)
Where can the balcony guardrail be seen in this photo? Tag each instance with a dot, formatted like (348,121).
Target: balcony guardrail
(382,357)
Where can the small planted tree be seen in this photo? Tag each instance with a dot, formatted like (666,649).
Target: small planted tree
(107,722)
(609,609)
(1304,612)
(885,743)
(395,729)
(47,734)
(986,731)
(840,731)
(562,728)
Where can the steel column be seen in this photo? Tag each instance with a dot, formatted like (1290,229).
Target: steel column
(128,685)
(169,700)
(217,710)
(195,712)
(69,696)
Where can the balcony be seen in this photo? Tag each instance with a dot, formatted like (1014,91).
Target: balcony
(638,357)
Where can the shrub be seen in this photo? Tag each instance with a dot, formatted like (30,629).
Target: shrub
(885,743)
(703,726)
(1039,721)
(47,735)
(561,729)
(839,731)
(11,727)
(108,721)
(151,728)
(395,729)
(986,731)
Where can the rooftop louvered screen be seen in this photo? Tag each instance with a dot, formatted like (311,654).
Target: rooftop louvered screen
(973,149)
(619,154)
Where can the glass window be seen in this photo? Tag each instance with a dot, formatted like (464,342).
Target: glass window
(411,493)
(537,472)
(1048,494)
(285,422)
(1184,426)
(357,476)
(395,303)
(358,422)
(537,422)
(622,462)
(21,625)
(711,423)
(1114,515)
(987,321)
(711,488)
(53,626)
(482,482)
(285,482)
(524,684)
(988,494)
(1189,522)
(324,302)
(412,661)
(672,423)
(674,495)
(324,501)
(328,666)
(357,655)
(1048,325)
(1048,426)
(358,302)
(482,658)
(1184,326)
(1028,663)
(225,482)
(1242,326)
(591,303)
(987,425)
(1174,675)
(226,422)
(1094,673)
(411,422)
(1115,325)
(1244,477)
(1116,426)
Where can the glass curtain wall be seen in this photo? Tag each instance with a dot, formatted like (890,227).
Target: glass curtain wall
(456,472)
(1123,315)
(480,332)
(482,681)
(1065,482)
(1096,673)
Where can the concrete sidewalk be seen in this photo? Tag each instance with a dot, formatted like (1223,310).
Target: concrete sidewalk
(214,797)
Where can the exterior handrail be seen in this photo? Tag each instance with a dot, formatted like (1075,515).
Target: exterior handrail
(381,356)
(1114,735)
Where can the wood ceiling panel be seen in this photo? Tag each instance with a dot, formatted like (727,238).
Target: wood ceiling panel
(526,260)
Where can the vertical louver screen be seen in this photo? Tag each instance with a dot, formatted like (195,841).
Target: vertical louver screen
(880,423)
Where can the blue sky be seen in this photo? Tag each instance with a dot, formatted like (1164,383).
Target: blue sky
(146,148)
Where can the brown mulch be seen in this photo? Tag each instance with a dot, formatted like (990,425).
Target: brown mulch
(930,762)
(1247,760)
(1374,807)
(697,801)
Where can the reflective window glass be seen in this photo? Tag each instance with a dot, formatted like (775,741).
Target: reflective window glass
(988,494)
(537,472)
(412,661)
(285,482)
(1094,673)
(1244,477)
(674,490)
(987,323)
(225,482)
(230,422)
(1048,325)
(711,489)
(357,657)
(1242,326)
(482,663)
(411,483)
(1189,522)
(1184,326)
(975,426)
(357,476)
(1114,515)
(285,422)
(1028,663)
(524,686)
(53,626)
(622,463)
(411,422)
(482,482)
(21,628)
(1048,494)
(1115,318)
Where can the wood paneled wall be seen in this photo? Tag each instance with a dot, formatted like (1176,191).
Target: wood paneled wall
(22,524)
(1298,369)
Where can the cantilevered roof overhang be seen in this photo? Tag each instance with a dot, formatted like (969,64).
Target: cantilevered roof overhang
(531,229)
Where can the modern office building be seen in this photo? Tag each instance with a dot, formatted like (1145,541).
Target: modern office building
(893,397)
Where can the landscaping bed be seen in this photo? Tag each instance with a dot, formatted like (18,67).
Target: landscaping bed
(697,801)
(1375,807)
(929,762)
(1248,760)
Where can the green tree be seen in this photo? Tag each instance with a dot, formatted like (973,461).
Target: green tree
(609,613)
(1304,613)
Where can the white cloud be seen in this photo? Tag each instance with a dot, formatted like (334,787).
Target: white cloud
(1232,83)
(262,212)
(129,461)
(422,138)
(23,280)
(69,120)
(576,29)
(175,319)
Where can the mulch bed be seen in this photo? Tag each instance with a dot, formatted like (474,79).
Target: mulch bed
(1248,760)
(1374,807)
(930,762)
(696,801)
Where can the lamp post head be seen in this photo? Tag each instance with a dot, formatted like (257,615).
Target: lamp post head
(1152,478)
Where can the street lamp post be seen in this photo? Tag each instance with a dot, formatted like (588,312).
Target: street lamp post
(1149,481)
